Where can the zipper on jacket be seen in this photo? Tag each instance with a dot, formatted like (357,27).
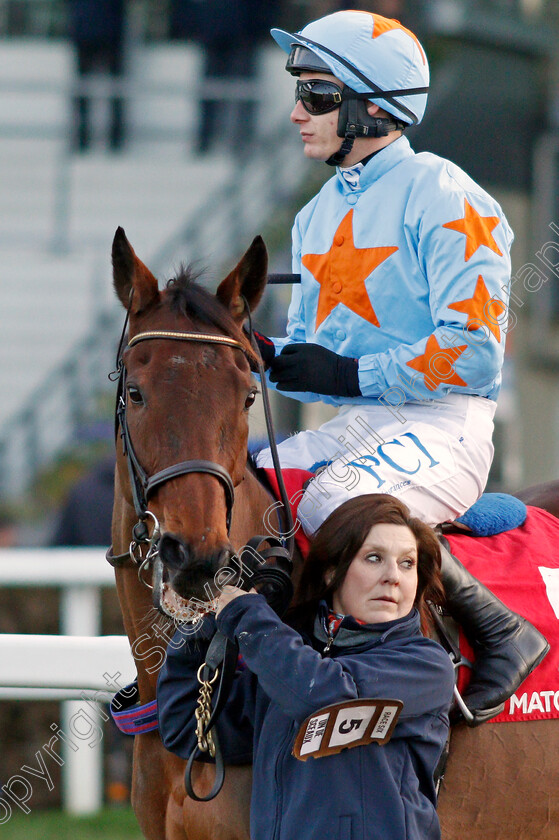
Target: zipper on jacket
(278,774)
(330,635)
(329,643)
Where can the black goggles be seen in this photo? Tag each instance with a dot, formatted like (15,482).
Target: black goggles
(318,96)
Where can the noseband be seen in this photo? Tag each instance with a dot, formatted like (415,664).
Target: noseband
(141,483)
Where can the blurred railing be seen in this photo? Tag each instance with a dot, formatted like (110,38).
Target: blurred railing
(64,403)
(73,667)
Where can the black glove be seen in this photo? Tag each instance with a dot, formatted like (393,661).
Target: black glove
(310,367)
(266,347)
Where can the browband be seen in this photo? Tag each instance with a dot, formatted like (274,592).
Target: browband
(186,336)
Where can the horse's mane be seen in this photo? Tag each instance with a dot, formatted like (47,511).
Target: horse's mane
(187,297)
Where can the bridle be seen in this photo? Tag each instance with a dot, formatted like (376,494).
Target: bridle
(143,485)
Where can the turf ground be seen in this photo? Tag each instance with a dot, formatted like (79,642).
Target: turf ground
(110,824)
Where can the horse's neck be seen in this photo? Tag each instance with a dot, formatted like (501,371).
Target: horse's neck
(144,628)
(141,620)
(252,502)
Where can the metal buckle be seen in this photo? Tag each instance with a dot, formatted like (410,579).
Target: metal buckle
(135,550)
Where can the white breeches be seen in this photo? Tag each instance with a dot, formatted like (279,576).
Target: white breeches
(436,458)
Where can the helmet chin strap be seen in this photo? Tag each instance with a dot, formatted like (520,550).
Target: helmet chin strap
(337,158)
(355,121)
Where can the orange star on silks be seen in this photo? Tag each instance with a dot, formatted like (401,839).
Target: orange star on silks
(481,308)
(437,363)
(477,230)
(342,272)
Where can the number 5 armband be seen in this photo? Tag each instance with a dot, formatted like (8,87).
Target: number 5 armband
(344,725)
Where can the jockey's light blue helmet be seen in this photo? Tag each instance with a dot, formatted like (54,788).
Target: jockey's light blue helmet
(367,52)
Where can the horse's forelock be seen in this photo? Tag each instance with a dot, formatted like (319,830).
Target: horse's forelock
(187,297)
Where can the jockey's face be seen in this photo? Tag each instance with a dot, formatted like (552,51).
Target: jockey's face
(381,581)
(318,131)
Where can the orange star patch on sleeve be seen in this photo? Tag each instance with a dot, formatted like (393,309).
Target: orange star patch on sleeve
(342,272)
(481,308)
(477,230)
(437,364)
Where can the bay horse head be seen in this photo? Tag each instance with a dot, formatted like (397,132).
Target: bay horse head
(186,392)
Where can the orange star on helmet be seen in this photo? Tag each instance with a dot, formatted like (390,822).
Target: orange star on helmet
(383,25)
(477,229)
(342,272)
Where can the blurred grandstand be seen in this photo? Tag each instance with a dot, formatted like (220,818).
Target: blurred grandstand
(493,109)
(59,211)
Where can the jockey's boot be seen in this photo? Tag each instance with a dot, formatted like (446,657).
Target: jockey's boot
(507,647)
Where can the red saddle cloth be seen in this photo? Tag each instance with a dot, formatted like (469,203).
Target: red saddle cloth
(522,568)
(294,481)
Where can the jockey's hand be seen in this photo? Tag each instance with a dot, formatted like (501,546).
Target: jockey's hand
(266,347)
(229,593)
(310,367)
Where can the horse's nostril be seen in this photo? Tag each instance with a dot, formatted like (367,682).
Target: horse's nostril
(173,552)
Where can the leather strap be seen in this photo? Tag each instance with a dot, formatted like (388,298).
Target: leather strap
(222,653)
(195,466)
(219,773)
(131,717)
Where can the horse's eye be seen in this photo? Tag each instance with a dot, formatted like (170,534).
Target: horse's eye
(135,395)
(251,398)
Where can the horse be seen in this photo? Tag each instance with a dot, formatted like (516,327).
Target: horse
(502,779)
(185,399)
(187,392)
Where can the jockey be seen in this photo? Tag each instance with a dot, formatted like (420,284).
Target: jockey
(400,318)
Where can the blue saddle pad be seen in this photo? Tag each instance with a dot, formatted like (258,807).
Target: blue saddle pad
(494,513)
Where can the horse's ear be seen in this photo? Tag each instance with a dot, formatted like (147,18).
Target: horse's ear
(129,273)
(247,280)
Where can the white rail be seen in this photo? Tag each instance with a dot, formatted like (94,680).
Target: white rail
(64,662)
(77,667)
(63,567)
